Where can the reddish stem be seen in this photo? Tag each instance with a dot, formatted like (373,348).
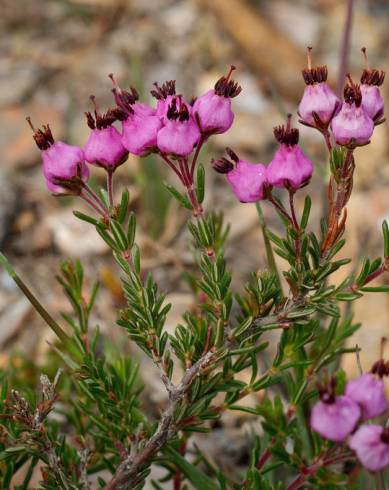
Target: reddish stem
(93,205)
(172,166)
(96,198)
(327,140)
(308,471)
(183,163)
(196,155)
(280,208)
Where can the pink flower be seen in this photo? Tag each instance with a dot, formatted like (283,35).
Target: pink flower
(64,165)
(369,393)
(352,126)
(289,167)
(212,110)
(140,133)
(372,101)
(371,443)
(335,417)
(248,180)
(180,133)
(104,146)
(141,124)
(319,103)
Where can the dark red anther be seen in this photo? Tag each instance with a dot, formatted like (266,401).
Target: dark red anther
(162,92)
(43,137)
(352,92)
(225,87)
(286,135)
(222,165)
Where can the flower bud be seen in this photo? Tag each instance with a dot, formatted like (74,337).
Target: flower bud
(369,393)
(180,133)
(64,165)
(372,101)
(104,146)
(212,110)
(289,167)
(371,443)
(319,103)
(248,180)
(352,126)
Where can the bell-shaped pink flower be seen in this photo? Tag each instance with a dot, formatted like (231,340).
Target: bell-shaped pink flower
(372,101)
(371,444)
(248,180)
(141,124)
(180,133)
(140,134)
(64,165)
(352,126)
(334,417)
(212,110)
(104,146)
(289,167)
(319,103)
(369,392)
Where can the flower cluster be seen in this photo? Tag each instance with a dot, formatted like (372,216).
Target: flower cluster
(349,123)
(174,128)
(289,168)
(335,417)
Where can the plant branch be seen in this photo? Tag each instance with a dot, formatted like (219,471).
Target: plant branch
(126,474)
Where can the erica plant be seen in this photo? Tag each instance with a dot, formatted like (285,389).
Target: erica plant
(88,427)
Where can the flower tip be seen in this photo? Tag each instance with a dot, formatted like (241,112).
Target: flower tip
(28,119)
(232,154)
(309,57)
(222,165)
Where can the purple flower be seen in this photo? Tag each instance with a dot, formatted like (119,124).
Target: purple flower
(141,124)
(213,109)
(289,167)
(369,393)
(335,417)
(371,443)
(64,165)
(180,133)
(248,180)
(352,126)
(104,146)
(319,103)
(372,101)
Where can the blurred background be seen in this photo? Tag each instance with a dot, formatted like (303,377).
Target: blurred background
(56,53)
